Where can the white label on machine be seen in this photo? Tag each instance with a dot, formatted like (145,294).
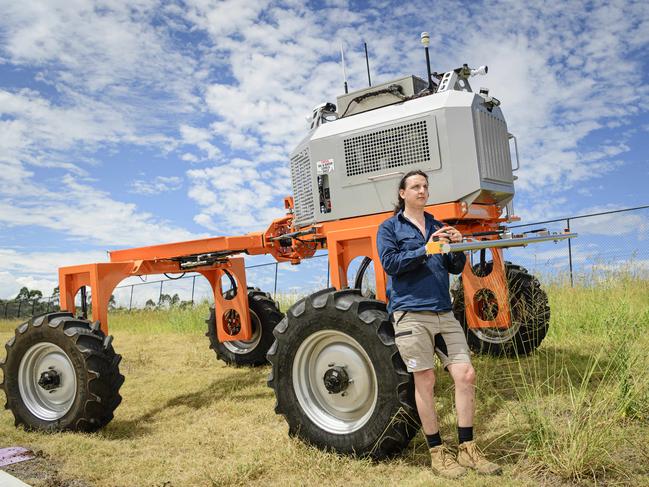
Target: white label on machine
(325,166)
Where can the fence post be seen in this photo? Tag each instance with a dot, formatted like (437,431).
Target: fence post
(160,297)
(193,286)
(327,272)
(130,301)
(572,284)
(275,291)
(20,305)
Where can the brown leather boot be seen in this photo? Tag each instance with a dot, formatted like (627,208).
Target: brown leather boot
(470,456)
(443,462)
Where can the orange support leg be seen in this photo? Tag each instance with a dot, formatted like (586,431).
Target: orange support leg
(102,279)
(347,244)
(486,299)
(232,315)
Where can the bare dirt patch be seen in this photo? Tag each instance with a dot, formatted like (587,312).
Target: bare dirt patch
(42,471)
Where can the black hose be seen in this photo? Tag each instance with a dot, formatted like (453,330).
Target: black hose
(358,281)
(174,278)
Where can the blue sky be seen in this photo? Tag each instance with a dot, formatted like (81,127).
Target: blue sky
(127,123)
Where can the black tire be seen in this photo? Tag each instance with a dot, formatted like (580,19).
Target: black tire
(530,316)
(380,418)
(73,359)
(265,315)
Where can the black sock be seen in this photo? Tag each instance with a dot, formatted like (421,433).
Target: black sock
(433,440)
(464,433)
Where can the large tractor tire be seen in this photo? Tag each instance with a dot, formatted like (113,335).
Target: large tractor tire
(529,310)
(265,315)
(61,373)
(338,377)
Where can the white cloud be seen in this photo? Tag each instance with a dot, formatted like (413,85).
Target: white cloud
(562,73)
(95,215)
(622,224)
(160,184)
(10,285)
(200,138)
(38,270)
(236,197)
(189,157)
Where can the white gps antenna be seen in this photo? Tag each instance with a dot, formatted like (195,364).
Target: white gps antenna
(425,41)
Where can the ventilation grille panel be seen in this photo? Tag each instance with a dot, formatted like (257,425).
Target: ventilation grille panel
(384,149)
(493,147)
(302,187)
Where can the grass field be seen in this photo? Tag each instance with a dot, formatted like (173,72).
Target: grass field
(577,411)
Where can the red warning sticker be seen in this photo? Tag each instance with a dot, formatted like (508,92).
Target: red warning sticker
(324,166)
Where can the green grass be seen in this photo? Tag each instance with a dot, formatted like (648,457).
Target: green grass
(576,411)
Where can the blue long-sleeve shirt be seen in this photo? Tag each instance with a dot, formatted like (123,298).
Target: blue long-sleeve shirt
(416,281)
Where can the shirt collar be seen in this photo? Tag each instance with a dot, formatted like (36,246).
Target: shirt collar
(427,216)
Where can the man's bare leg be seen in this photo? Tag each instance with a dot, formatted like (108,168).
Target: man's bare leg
(442,461)
(464,378)
(469,455)
(425,400)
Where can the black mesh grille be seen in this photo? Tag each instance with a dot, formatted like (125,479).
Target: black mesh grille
(385,149)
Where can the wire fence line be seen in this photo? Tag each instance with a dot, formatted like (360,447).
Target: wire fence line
(609,242)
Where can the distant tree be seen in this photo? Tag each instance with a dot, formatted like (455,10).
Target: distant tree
(25,294)
(150,304)
(112,303)
(168,301)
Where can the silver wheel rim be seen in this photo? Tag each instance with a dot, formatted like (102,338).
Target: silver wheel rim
(242,347)
(344,412)
(48,405)
(497,335)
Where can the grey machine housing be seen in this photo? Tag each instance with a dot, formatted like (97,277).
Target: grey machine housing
(351,166)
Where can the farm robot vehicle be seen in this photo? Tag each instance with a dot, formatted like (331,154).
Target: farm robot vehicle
(337,375)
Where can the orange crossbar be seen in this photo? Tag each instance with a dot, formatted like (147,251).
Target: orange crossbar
(252,241)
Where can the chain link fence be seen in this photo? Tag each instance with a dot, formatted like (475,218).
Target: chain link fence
(23,308)
(610,244)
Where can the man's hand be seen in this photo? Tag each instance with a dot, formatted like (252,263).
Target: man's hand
(447,234)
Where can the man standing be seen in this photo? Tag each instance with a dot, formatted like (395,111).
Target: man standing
(418,293)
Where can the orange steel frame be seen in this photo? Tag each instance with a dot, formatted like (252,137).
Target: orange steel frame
(345,240)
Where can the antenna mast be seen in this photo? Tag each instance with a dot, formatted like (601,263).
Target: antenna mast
(342,57)
(367,62)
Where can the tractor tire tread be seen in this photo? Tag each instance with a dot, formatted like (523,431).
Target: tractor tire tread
(527,299)
(269,315)
(348,307)
(99,380)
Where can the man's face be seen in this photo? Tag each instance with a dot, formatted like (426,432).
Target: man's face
(416,193)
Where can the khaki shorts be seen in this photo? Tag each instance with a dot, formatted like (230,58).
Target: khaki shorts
(420,335)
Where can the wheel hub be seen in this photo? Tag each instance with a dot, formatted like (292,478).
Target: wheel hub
(47,381)
(50,380)
(242,347)
(336,379)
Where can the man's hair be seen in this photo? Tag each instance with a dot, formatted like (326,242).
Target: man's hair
(401,204)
